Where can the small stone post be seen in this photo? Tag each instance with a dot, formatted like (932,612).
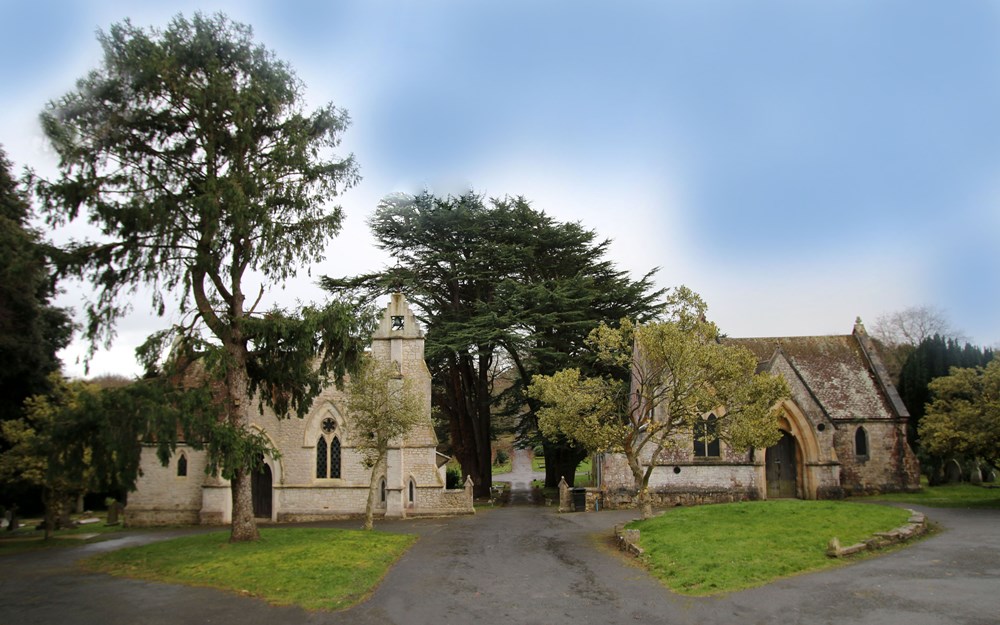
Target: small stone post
(468,488)
(565,497)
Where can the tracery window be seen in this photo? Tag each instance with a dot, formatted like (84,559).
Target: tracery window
(328,451)
(321,457)
(706,438)
(335,458)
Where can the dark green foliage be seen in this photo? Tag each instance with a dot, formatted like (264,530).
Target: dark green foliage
(931,359)
(934,357)
(190,149)
(31,330)
(453,477)
(503,289)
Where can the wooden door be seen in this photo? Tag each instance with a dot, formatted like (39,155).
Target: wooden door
(780,468)
(260,486)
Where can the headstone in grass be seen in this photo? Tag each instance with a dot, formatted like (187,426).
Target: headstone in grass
(975,475)
(952,472)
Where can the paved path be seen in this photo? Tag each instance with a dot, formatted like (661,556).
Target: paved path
(527,565)
(520,477)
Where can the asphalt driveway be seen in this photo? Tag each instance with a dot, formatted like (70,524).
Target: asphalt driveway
(525,564)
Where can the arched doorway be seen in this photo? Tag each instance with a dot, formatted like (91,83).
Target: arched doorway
(260,487)
(780,468)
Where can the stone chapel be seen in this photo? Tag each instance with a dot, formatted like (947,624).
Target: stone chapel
(318,475)
(843,433)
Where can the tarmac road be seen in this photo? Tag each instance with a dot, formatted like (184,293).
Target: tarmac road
(523,564)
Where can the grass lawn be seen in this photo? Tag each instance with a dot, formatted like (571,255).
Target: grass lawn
(317,569)
(705,550)
(946,496)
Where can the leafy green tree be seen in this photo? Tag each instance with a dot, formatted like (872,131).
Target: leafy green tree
(31,329)
(933,358)
(963,419)
(671,374)
(37,457)
(384,407)
(80,437)
(501,287)
(190,150)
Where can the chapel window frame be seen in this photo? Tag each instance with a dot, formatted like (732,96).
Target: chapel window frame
(706,438)
(182,465)
(862,446)
(329,457)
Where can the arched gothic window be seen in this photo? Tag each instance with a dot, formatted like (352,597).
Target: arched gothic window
(412,491)
(328,451)
(706,438)
(335,458)
(861,443)
(381,490)
(182,466)
(321,457)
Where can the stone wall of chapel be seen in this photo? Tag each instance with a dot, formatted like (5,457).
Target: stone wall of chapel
(162,496)
(420,464)
(684,483)
(889,465)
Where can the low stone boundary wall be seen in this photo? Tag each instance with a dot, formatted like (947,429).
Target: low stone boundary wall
(628,540)
(915,526)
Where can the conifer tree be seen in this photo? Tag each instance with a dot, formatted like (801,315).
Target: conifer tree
(190,150)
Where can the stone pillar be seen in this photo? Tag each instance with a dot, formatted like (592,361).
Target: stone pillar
(469,485)
(565,496)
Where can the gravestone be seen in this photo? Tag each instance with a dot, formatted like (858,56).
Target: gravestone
(952,472)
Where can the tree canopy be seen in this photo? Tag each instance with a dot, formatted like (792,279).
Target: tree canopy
(32,330)
(963,419)
(502,289)
(671,374)
(189,149)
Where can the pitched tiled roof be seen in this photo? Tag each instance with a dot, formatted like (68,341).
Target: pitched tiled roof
(835,368)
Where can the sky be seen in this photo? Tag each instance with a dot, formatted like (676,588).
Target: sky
(799,164)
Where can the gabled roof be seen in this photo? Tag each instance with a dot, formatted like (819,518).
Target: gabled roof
(841,372)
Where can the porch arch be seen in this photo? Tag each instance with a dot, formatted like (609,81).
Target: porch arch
(807,454)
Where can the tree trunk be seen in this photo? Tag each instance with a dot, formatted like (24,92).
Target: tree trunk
(640,480)
(470,419)
(560,462)
(50,501)
(377,471)
(244,526)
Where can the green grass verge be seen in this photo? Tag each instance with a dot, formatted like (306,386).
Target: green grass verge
(946,496)
(705,550)
(317,569)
